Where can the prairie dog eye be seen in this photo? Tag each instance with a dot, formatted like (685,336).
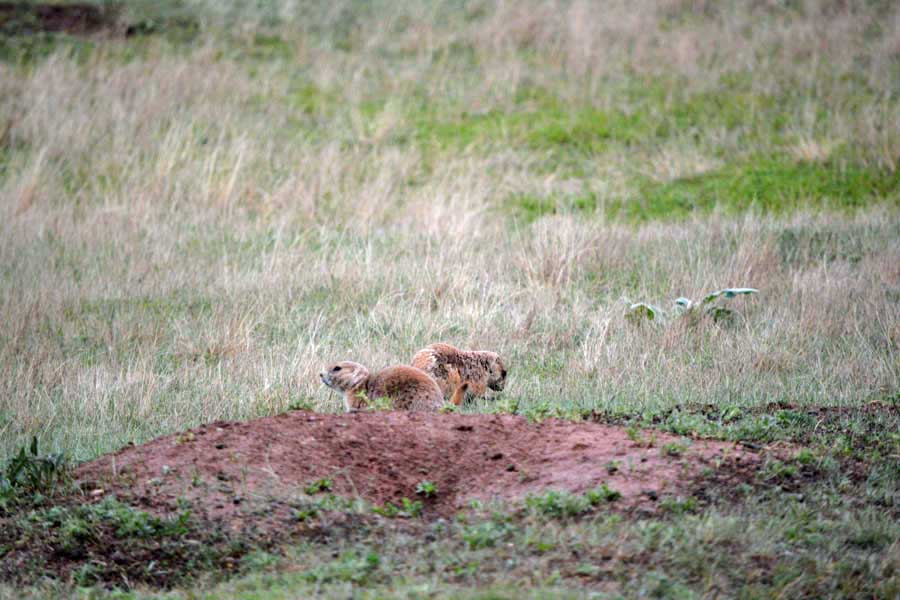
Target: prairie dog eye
(336,369)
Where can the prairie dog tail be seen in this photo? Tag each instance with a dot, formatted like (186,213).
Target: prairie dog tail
(459,394)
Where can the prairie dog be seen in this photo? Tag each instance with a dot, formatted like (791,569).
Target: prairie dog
(462,372)
(407,388)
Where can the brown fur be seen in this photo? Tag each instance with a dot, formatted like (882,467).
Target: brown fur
(407,388)
(462,372)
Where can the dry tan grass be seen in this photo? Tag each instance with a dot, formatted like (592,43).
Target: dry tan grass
(176,248)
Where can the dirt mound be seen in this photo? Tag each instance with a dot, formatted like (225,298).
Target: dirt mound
(247,473)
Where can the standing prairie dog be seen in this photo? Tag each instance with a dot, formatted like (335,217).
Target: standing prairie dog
(407,388)
(460,372)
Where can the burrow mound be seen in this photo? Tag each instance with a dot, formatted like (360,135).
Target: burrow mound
(246,473)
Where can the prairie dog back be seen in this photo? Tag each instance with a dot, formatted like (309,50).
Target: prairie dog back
(477,370)
(407,388)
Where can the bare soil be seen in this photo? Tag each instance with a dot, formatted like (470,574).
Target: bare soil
(235,468)
(18,18)
(107,21)
(244,486)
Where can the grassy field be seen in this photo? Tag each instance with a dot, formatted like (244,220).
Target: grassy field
(198,217)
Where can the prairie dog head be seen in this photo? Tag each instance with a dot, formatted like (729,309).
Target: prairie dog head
(496,372)
(344,376)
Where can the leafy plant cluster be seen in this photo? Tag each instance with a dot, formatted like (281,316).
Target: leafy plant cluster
(29,472)
(713,305)
(561,504)
(77,526)
(352,567)
(308,509)
(406,509)
(320,485)
(114,543)
(427,489)
(538,411)
(486,534)
(375,404)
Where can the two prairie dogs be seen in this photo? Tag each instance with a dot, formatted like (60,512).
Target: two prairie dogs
(439,373)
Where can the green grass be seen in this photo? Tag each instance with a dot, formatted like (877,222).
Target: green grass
(530,208)
(657,109)
(83,533)
(776,185)
(549,125)
(771,543)
(768,185)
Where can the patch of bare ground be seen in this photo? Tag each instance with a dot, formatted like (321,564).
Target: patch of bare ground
(23,18)
(234,468)
(106,21)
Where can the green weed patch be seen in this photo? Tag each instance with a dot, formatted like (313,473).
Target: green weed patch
(544,125)
(113,543)
(768,185)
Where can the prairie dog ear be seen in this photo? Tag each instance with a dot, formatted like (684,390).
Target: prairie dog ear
(352,373)
(359,375)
